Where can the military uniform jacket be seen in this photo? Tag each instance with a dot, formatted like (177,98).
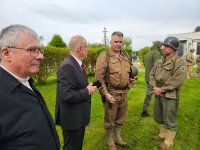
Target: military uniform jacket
(149,60)
(190,59)
(168,75)
(25,122)
(119,70)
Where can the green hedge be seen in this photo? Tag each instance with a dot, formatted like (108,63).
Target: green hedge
(91,59)
(53,56)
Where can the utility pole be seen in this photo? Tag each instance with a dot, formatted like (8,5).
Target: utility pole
(104,31)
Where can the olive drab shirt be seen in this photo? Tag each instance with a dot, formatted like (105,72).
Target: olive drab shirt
(190,59)
(149,60)
(168,75)
(119,68)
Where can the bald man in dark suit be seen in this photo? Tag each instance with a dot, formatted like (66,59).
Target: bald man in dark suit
(73,100)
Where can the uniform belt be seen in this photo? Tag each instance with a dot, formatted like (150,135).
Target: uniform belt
(119,88)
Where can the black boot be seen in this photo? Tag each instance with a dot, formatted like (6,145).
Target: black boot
(145,114)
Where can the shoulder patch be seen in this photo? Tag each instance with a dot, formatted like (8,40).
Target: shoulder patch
(183,68)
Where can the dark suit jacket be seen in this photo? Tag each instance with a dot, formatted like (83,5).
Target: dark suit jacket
(72,99)
(25,122)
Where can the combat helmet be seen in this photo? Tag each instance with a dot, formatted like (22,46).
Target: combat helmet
(192,50)
(172,42)
(156,45)
(134,71)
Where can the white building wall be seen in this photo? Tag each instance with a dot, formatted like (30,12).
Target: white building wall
(189,40)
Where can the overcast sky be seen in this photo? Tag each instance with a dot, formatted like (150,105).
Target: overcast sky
(144,21)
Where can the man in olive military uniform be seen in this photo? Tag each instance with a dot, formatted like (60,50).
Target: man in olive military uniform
(190,62)
(112,70)
(166,77)
(198,65)
(149,60)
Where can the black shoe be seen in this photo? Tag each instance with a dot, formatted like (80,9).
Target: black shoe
(145,114)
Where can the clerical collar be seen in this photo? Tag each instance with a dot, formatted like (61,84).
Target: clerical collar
(24,81)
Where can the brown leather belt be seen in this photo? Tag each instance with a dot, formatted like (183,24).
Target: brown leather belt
(119,88)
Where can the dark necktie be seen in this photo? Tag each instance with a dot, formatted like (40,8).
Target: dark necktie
(83,68)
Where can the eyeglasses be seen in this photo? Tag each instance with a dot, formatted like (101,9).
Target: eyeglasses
(33,51)
(84,46)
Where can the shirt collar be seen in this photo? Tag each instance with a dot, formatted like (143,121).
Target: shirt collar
(21,80)
(78,60)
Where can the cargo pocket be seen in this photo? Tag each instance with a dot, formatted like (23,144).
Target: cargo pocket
(167,72)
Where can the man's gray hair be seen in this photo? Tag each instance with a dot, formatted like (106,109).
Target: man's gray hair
(118,33)
(9,35)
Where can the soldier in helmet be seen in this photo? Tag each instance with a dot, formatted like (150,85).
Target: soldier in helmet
(113,71)
(190,62)
(149,60)
(166,77)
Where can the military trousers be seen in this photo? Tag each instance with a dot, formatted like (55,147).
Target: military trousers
(198,70)
(148,97)
(189,71)
(165,111)
(115,113)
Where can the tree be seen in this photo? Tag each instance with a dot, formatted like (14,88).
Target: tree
(95,45)
(197,29)
(142,52)
(127,42)
(57,41)
(128,45)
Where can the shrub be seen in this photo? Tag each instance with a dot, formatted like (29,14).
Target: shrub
(142,52)
(91,59)
(53,56)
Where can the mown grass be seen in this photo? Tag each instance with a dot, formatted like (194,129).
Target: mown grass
(137,131)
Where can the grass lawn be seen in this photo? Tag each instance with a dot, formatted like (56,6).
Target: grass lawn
(137,131)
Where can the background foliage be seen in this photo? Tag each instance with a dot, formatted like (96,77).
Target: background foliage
(142,52)
(197,29)
(57,41)
(53,57)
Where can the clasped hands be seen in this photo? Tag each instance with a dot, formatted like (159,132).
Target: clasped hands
(157,91)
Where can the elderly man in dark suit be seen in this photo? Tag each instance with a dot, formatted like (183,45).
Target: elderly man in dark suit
(73,95)
(25,122)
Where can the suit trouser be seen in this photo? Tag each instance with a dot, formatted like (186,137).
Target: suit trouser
(148,97)
(116,113)
(165,111)
(73,139)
